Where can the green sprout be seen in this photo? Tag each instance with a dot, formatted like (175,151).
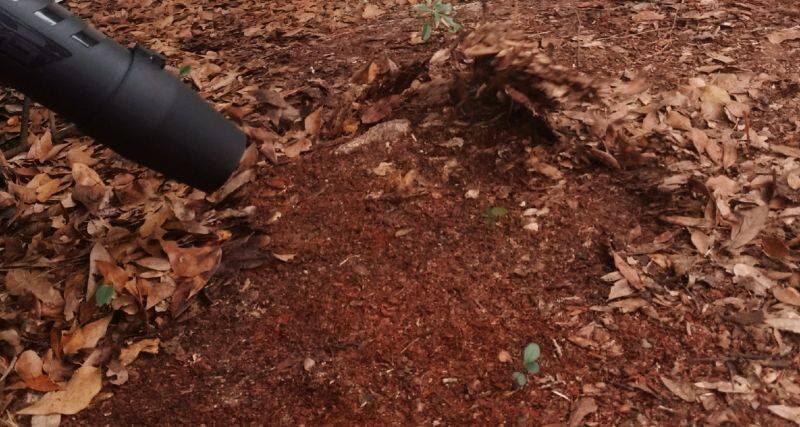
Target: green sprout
(494,214)
(437,14)
(530,357)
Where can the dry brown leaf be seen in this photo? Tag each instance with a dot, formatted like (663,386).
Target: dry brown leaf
(41,147)
(753,221)
(376,112)
(151,227)
(629,305)
(371,11)
(29,365)
(752,278)
(232,185)
(700,140)
(775,248)
(790,324)
(284,257)
(89,187)
(620,289)
(157,292)
(11,337)
(543,168)
(780,36)
(20,282)
(629,273)
(648,15)
(313,122)
(128,354)
(787,295)
(192,261)
(701,242)
(791,413)
(683,390)
(113,274)
(583,407)
(678,121)
(85,337)
(76,396)
(736,384)
(98,253)
(384,132)
(153,263)
(297,148)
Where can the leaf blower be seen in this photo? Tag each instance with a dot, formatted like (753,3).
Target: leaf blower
(122,98)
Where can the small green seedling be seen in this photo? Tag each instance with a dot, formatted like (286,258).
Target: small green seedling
(185,70)
(494,214)
(530,357)
(437,14)
(103,295)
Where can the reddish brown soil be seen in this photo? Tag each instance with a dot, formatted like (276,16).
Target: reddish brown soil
(405,328)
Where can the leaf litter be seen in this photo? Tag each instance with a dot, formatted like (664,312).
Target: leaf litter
(159,243)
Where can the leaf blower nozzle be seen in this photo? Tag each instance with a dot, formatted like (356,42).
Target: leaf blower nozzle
(123,98)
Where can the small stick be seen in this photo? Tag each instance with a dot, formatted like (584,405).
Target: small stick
(53,127)
(25,122)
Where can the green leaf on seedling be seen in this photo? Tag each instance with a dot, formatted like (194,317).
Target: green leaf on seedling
(422,8)
(495,213)
(520,379)
(427,29)
(530,357)
(532,368)
(185,70)
(445,8)
(103,295)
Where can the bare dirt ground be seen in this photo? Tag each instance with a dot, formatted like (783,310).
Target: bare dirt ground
(405,278)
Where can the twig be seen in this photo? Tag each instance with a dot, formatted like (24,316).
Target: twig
(25,121)
(53,128)
(8,371)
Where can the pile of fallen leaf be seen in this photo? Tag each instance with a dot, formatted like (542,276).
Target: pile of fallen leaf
(97,252)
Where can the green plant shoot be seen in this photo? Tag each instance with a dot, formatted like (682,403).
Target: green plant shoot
(437,15)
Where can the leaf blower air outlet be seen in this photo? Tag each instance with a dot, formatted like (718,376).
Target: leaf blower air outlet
(122,98)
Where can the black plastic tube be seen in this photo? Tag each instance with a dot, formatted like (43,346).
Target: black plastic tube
(121,97)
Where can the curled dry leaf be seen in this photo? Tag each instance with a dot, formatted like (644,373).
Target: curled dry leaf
(29,368)
(701,242)
(780,36)
(787,295)
(77,394)
(790,323)
(232,185)
(98,253)
(41,147)
(753,221)
(113,274)
(190,262)
(791,413)
(620,289)
(383,132)
(629,273)
(775,248)
(583,408)
(130,353)
(737,384)
(85,337)
(20,282)
(629,305)
(752,278)
(683,390)
(89,187)
(313,122)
